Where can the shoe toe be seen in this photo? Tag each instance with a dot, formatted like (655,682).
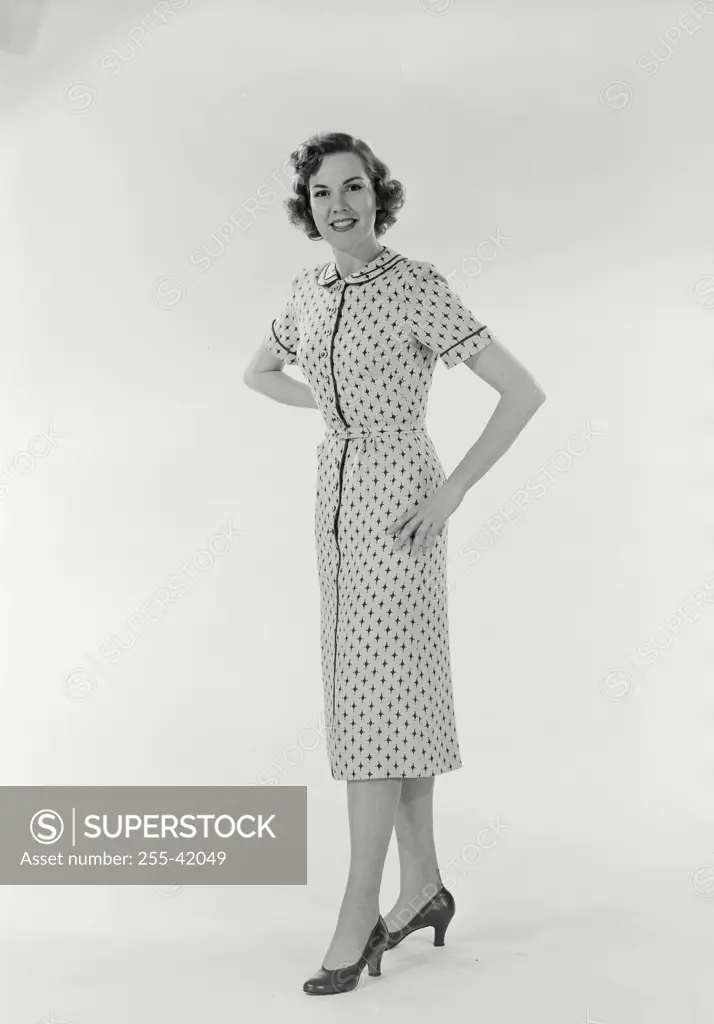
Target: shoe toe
(330,982)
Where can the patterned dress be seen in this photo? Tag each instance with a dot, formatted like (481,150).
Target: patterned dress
(367,346)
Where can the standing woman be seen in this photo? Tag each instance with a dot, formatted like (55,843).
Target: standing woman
(366,330)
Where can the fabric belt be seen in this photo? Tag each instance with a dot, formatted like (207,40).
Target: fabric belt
(354,433)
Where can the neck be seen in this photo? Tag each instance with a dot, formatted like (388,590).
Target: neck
(350,262)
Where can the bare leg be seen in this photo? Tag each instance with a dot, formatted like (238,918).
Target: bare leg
(418,866)
(371,806)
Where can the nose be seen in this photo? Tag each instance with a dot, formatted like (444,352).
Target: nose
(339,206)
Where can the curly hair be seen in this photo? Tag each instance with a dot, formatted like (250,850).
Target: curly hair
(307,160)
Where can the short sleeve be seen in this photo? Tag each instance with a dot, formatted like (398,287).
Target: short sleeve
(284,334)
(441,321)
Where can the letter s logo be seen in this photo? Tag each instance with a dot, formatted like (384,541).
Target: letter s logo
(46,827)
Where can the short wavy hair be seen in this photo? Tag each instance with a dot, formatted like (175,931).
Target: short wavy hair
(307,160)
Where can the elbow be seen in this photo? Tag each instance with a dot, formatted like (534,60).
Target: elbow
(256,379)
(532,394)
(538,396)
(529,398)
(535,400)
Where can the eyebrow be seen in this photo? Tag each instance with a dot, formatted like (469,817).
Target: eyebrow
(355,177)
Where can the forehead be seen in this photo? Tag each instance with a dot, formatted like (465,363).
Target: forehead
(335,167)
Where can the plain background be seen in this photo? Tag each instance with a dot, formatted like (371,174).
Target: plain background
(544,123)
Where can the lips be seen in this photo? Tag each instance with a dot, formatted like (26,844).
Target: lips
(343,223)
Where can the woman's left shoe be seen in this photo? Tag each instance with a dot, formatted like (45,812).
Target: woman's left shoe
(437,913)
(344,979)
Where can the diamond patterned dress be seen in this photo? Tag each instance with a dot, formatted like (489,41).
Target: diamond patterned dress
(367,346)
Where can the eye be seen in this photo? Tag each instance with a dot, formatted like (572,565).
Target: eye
(355,184)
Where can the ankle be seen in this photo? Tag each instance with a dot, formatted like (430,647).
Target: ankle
(420,888)
(363,894)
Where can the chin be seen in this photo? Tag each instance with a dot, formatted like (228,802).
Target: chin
(349,241)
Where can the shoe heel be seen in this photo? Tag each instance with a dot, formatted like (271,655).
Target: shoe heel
(440,932)
(374,965)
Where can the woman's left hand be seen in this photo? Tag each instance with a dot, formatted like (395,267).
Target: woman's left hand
(419,526)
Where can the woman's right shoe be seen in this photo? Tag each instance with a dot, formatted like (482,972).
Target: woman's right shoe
(437,913)
(344,979)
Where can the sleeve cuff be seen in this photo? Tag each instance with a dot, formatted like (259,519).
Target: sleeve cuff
(466,348)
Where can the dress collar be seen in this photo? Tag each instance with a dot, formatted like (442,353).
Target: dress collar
(329,274)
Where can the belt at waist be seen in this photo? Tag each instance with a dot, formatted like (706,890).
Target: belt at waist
(356,432)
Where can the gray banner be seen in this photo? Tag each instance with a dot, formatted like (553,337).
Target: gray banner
(153,835)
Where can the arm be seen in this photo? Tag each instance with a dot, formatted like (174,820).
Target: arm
(265,375)
(521,397)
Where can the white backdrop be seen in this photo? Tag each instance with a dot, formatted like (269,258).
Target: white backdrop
(145,251)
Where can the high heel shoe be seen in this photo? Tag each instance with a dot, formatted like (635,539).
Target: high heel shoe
(437,913)
(344,979)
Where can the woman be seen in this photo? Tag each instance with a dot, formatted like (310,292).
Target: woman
(366,329)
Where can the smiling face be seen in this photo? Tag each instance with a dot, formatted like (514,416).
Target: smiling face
(343,202)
